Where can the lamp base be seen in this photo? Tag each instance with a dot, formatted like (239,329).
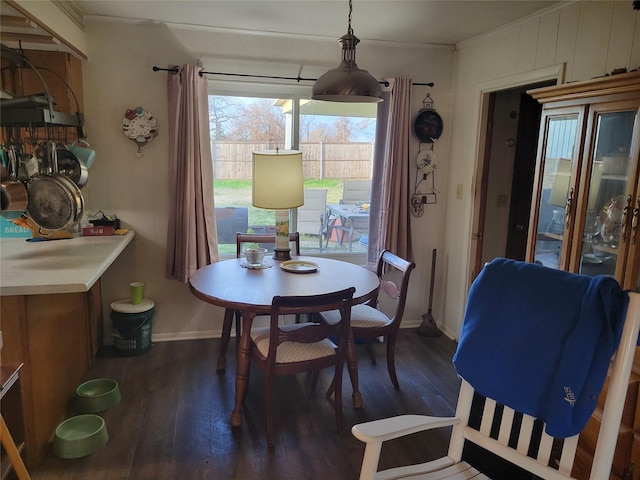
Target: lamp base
(282,254)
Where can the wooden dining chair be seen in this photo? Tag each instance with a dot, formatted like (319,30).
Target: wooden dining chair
(303,347)
(368,322)
(535,401)
(227,323)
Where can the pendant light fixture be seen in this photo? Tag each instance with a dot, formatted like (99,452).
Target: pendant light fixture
(346,82)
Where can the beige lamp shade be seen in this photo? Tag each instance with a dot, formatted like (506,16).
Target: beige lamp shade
(277,185)
(277,179)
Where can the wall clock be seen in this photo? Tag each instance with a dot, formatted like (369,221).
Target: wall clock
(427,126)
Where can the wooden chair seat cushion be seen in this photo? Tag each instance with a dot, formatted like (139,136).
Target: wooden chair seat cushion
(292,352)
(362,316)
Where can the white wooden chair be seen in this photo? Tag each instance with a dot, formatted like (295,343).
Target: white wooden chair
(505,432)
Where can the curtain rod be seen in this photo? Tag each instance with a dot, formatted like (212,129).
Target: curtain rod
(297,79)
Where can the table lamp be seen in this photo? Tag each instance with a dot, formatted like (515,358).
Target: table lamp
(277,185)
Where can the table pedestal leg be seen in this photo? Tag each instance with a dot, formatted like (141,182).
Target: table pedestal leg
(352,366)
(242,369)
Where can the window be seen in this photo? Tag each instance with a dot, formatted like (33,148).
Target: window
(336,140)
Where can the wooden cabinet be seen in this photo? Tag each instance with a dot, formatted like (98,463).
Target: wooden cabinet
(56,73)
(55,336)
(586,201)
(61,73)
(586,211)
(12,414)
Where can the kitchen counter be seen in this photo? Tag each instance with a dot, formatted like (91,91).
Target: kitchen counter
(57,266)
(52,322)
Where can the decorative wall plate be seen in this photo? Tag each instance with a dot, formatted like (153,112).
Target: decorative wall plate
(426,160)
(140,126)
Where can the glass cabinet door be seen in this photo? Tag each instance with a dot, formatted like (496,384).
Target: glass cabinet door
(556,196)
(608,200)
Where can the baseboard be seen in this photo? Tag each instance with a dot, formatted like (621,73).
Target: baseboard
(173,337)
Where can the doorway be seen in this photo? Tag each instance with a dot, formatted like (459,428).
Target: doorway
(512,126)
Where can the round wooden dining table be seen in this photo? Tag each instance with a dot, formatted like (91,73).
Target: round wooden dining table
(231,285)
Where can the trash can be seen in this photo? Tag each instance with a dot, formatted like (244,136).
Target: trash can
(132,326)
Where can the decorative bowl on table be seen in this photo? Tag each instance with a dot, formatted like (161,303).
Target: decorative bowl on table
(254,256)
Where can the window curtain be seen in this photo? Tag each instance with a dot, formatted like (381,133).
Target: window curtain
(191,234)
(389,220)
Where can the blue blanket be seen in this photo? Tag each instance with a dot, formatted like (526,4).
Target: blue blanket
(545,338)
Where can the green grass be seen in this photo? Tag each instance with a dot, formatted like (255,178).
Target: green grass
(237,193)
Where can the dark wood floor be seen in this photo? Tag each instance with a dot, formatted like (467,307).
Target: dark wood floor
(173,420)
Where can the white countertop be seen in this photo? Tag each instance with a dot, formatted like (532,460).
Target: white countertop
(57,266)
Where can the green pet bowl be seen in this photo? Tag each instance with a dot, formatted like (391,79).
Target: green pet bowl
(97,395)
(80,436)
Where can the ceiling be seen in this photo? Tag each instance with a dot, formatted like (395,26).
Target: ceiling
(445,22)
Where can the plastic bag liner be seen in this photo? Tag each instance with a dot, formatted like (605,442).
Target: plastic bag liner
(132,326)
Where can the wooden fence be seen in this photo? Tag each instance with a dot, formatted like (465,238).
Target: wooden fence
(232,160)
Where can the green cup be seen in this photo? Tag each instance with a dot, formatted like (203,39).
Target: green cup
(137,290)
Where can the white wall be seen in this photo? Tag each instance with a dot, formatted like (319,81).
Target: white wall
(590,38)
(118,75)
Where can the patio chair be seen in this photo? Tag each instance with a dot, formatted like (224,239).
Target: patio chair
(304,347)
(356,191)
(312,215)
(264,240)
(526,393)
